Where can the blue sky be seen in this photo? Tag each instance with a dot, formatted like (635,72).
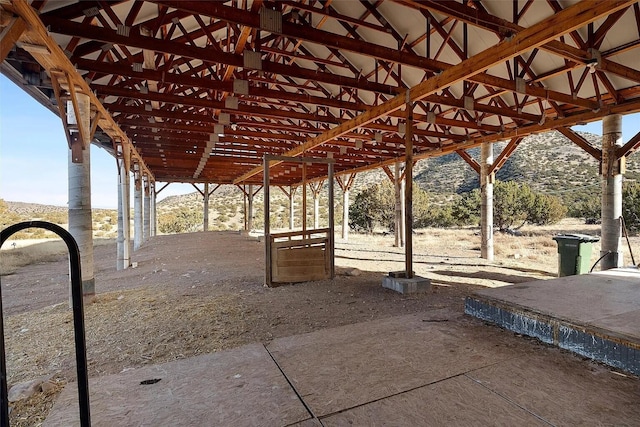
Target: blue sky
(33,154)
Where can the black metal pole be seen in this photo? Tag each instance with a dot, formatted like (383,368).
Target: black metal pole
(78,322)
(4,393)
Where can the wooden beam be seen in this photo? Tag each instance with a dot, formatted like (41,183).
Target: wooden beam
(208,55)
(504,155)
(10,35)
(387,171)
(470,160)
(55,59)
(560,23)
(581,142)
(624,108)
(632,145)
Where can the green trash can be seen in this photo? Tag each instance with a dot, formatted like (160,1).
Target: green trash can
(574,253)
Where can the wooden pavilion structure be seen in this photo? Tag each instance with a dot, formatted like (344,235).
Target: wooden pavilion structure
(202,91)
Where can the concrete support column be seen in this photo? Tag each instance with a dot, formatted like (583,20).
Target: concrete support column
(398,185)
(250,208)
(124,232)
(611,243)
(205,221)
(486,209)
(292,193)
(146,231)
(345,214)
(137,209)
(316,209)
(80,221)
(154,212)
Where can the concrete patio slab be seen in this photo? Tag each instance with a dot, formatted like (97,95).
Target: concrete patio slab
(340,368)
(239,387)
(458,401)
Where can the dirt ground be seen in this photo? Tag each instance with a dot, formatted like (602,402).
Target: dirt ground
(203,292)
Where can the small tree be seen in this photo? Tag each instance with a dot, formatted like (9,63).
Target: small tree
(516,204)
(375,205)
(512,203)
(631,206)
(372,206)
(546,210)
(465,210)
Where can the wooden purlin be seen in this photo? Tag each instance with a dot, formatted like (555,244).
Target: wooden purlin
(37,34)
(565,21)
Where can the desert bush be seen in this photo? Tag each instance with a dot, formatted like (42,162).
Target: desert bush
(57,217)
(181,220)
(375,206)
(585,206)
(546,209)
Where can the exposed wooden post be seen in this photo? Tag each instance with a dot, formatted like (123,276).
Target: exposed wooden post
(205,212)
(123,259)
(408,190)
(146,230)
(316,209)
(244,205)
(332,236)
(612,171)
(137,207)
(487,179)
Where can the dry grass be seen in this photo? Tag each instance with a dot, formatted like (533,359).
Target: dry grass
(124,330)
(38,251)
(14,258)
(34,410)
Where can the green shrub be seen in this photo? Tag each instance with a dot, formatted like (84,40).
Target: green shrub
(631,206)
(181,220)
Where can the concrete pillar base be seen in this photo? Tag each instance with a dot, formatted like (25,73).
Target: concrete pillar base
(405,286)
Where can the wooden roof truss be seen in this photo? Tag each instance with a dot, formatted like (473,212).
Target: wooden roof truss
(204,90)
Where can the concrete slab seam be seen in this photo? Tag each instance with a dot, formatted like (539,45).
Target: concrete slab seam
(506,398)
(290,383)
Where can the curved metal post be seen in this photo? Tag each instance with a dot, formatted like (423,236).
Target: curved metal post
(78,322)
